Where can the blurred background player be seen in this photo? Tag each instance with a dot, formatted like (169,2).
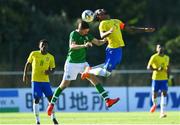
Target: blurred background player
(79,41)
(111,30)
(43,65)
(159,64)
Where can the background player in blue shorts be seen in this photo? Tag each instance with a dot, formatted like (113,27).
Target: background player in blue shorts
(159,64)
(43,65)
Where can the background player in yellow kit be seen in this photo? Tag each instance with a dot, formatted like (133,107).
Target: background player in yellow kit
(43,65)
(159,64)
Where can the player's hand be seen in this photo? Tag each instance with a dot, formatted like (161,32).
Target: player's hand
(160,68)
(105,40)
(47,72)
(149,29)
(88,44)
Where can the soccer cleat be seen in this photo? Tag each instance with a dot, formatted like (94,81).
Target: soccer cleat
(85,74)
(153,108)
(111,102)
(50,108)
(55,121)
(162,115)
(37,123)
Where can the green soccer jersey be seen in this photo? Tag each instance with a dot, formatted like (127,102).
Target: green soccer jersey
(78,55)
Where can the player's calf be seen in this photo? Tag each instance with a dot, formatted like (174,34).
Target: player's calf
(55,121)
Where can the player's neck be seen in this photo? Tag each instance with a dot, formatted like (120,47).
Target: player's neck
(160,54)
(79,31)
(44,52)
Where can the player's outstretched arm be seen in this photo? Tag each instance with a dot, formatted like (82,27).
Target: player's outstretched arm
(138,29)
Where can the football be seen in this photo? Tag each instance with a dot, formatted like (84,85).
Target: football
(87,16)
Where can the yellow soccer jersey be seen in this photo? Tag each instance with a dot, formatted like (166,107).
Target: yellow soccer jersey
(40,63)
(115,39)
(157,61)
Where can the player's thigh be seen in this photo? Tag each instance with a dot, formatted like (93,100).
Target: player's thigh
(155,86)
(46,88)
(113,57)
(36,90)
(71,70)
(164,85)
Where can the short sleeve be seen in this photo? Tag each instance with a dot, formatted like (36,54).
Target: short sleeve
(102,26)
(30,58)
(52,62)
(72,36)
(89,37)
(121,24)
(168,60)
(151,61)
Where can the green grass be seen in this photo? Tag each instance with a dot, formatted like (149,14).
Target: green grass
(104,118)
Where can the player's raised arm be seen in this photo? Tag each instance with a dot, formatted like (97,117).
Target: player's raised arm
(138,29)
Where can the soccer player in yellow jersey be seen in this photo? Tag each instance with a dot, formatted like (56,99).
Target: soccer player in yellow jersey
(111,30)
(43,65)
(159,64)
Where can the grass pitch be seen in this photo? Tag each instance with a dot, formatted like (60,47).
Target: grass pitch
(103,118)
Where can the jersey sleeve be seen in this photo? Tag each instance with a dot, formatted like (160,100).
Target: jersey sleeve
(90,37)
(52,62)
(121,24)
(151,61)
(30,58)
(102,26)
(168,60)
(72,37)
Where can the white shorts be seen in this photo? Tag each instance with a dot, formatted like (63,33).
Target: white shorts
(71,70)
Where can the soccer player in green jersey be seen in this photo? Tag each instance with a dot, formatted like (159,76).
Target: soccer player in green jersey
(159,64)
(79,41)
(43,65)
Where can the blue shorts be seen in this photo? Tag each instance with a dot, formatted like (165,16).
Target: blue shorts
(38,88)
(161,85)
(113,57)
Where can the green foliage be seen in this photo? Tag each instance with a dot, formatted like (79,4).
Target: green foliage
(173,46)
(24,22)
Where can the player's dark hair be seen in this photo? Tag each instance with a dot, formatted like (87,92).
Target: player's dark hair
(43,41)
(83,25)
(99,12)
(161,45)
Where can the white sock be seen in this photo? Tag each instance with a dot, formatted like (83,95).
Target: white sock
(53,114)
(163,103)
(98,66)
(154,100)
(36,111)
(100,72)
